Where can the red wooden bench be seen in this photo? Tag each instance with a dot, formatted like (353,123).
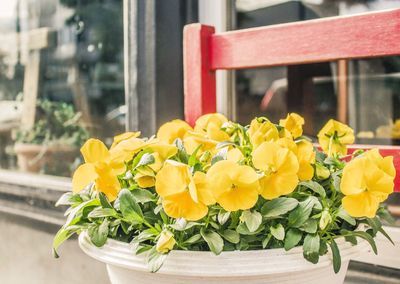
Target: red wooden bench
(329,39)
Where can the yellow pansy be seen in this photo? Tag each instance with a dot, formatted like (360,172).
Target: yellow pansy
(262,130)
(293,123)
(210,125)
(100,167)
(365,183)
(280,167)
(235,187)
(183,195)
(127,148)
(306,157)
(383,163)
(173,130)
(234,155)
(146,175)
(334,137)
(193,140)
(124,136)
(165,242)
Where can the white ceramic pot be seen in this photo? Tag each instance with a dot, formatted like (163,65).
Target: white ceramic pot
(259,266)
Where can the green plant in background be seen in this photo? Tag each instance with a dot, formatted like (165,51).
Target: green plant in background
(57,123)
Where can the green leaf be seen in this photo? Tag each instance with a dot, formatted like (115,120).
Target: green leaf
(221,155)
(310,226)
(130,209)
(74,213)
(252,220)
(143,195)
(351,239)
(323,248)
(362,235)
(193,239)
(193,157)
(100,212)
(385,215)
(98,234)
(155,259)
(243,230)
(375,224)
(213,240)
(383,232)
(278,206)
(104,201)
(342,214)
(64,199)
(301,214)
(266,240)
(311,248)
(223,217)
(314,186)
(61,236)
(231,236)
(293,237)
(337,261)
(278,232)
(146,159)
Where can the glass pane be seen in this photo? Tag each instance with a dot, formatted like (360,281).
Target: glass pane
(363,93)
(61,80)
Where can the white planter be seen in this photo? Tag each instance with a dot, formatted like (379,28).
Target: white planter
(259,266)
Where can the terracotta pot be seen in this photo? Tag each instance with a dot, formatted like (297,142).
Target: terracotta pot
(36,158)
(258,266)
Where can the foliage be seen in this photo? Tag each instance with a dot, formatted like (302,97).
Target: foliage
(57,123)
(211,189)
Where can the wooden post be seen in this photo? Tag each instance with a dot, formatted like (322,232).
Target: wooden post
(199,79)
(342,87)
(37,39)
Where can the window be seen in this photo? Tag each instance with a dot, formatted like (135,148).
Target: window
(61,80)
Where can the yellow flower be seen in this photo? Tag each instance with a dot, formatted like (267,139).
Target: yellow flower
(293,123)
(124,136)
(306,157)
(172,130)
(234,155)
(127,148)
(193,140)
(210,125)
(383,163)
(183,195)
(366,181)
(100,167)
(280,167)
(235,187)
(146,175)
(334,137)
(165,242)
(262,130)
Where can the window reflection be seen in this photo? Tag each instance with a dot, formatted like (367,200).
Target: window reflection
(66,52)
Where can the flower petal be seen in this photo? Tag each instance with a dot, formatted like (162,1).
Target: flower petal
(94,151)
(83,175)
(361,205)
(181,205)
(172,179)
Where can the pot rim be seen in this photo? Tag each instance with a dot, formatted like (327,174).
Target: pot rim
(227,264)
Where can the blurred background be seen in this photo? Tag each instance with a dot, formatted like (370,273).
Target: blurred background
(70,69)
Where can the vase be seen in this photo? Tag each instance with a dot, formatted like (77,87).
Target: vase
(234,267)
(53,159)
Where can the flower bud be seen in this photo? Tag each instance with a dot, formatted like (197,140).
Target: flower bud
(166,242)
(325,219)
(322,172)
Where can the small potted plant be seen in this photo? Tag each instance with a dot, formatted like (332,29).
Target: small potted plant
(55,136)
(226,203)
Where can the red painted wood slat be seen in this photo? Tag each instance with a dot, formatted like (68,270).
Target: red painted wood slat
(367,35)
(199,79)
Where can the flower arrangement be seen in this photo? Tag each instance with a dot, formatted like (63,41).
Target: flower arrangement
(221,186)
